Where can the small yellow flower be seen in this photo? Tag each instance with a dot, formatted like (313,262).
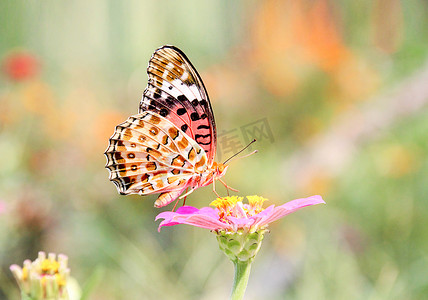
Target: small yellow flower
(44,278)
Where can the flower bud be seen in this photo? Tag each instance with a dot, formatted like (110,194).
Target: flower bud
(241,245)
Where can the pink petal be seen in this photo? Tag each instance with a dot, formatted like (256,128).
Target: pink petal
(187,210)
(239,210)
(263,214)
(241,222)
(182,210)
(274,213)
(167,223)
(206,217)
(202,221)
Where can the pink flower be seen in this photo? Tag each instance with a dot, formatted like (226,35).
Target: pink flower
(230,214)
(239,228)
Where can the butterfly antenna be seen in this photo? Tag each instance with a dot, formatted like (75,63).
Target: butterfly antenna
(234,155)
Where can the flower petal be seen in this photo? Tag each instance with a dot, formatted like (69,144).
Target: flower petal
(274,213)
(203,221)
(241,222)
(167,215)
(262,215)
(206,217)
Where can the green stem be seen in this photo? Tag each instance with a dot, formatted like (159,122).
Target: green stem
(242,273)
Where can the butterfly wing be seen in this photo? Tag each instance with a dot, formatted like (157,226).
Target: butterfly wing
(176,91)
(148,154)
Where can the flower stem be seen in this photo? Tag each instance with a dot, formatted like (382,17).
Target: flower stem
(242,273)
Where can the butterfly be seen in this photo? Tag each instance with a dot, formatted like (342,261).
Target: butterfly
(170,145)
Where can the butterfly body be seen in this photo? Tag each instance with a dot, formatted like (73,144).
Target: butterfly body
(170,145)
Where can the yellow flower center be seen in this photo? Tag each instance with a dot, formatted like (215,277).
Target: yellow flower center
(226,203)
(49,267)
(232,205)
(256,203)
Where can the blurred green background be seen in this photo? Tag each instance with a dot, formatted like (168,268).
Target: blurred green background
(335,91)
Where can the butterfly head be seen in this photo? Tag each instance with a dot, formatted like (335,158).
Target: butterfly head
(219,169)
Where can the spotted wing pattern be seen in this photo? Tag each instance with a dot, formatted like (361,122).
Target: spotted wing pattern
(148,154)
(176,91)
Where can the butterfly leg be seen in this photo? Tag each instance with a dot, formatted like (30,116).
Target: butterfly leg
(178,200)
(228,187)
(175,205)
(186,194)
(215,190)
(184,200)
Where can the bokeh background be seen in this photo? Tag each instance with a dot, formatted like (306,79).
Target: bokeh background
(336,93)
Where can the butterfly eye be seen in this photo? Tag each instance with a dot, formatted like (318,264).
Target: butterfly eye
(221,168)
